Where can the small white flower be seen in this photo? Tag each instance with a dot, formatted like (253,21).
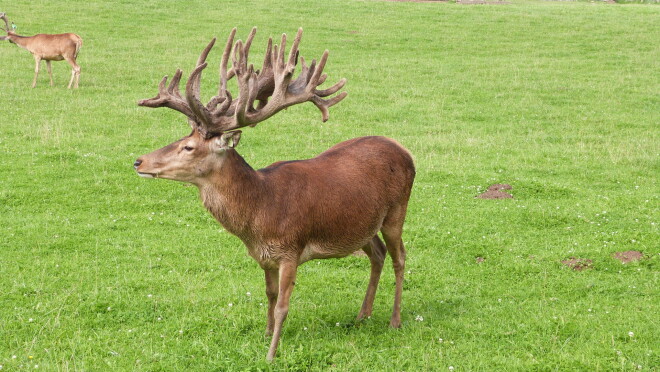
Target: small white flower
(304,328)
(159,318)
(631,334)
(337,325)
(639,366)
(150,295)
(499,300)
(451,368)
(181,331)
(230,304)
(36,366)
(13,356)
(109,308)
(419,318)
(30,320)
(248,294)
(589,310)
(440,340)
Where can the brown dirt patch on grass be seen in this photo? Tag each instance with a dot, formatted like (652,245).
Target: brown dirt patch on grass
(495,192)
(578,264)
(472,2)
(628,256)
(419,1)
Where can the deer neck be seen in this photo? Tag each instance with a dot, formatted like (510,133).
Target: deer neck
(232,193)
(21,41)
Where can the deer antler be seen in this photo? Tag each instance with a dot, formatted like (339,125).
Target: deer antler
(3,16)
(273,87)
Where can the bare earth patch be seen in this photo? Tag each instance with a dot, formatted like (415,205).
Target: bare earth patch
(471,2)
(578,264)
(628,256)
(419,1)
(495,192)
(480,260)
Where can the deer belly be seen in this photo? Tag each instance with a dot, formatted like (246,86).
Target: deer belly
(314,251)
(53,58)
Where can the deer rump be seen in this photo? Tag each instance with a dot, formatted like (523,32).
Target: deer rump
(331,205)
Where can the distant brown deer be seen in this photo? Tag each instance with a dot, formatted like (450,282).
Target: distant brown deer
(294,211)
(49,48)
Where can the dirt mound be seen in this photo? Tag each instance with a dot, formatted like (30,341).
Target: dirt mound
(628,256)
(578,264)
(495,192)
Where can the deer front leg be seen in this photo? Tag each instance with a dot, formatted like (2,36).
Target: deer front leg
(37,62)
(287,281)
(50,72)
(272,289)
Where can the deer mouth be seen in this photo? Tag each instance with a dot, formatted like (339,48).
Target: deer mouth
(147,175)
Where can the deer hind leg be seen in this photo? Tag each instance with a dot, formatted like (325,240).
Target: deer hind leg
(287,277)
(50,72)
(37,62)
(75,72)
(376,252)
(392,230)
(272,289)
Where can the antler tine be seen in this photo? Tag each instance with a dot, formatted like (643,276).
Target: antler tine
(317,72)
(249,41)
(324,105)
(332,90)
(192,92)
(223,63)
(244,74)
(195,77)
(169,97)
(293,54)
(279,56)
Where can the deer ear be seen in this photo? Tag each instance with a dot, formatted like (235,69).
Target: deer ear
(226,141)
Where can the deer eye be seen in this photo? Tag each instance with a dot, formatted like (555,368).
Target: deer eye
(188,148)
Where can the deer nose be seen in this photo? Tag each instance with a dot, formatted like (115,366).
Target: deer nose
(137,163)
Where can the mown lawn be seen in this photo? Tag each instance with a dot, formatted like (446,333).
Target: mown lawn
(102,270)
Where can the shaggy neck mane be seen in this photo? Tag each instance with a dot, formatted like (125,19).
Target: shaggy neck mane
(231,194)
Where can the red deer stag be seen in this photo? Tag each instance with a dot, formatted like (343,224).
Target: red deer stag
(294,211)
(49,48)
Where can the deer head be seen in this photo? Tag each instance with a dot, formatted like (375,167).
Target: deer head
(215,124)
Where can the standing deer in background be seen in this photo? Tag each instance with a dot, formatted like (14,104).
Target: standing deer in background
(294,211)
(49,48)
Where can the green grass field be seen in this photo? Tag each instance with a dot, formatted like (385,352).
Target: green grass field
(102,270)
